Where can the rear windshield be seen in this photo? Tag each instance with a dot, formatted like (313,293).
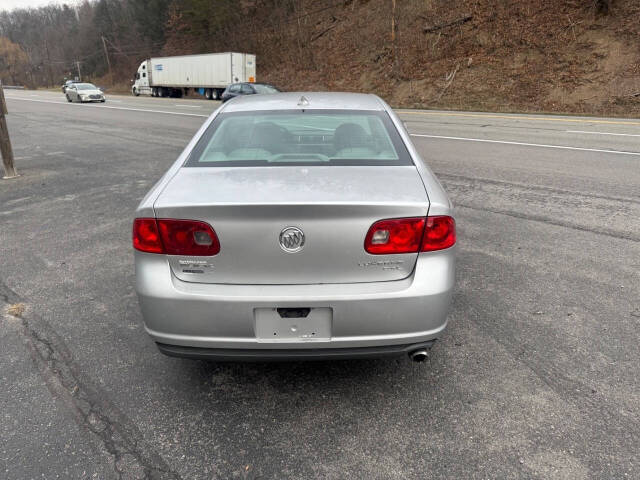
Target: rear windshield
(262,88)
(86,86)
(300,137)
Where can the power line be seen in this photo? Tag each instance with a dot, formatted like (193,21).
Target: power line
(82,59)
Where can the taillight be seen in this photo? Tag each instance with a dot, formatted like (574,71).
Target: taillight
(410,235)
(146,237)
(175,237)
(188,237)
(398,235)
(439,233)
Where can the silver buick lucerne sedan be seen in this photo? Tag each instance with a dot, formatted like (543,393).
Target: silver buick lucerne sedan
(296,226)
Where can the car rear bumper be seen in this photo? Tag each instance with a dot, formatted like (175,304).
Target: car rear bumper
(284,354)
(218,321)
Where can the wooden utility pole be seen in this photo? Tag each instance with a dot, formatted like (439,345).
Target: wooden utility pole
(79,74)
(5,142)
(46,49)
(106,54)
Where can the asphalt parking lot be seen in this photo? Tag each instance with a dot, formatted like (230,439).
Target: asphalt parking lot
(537,376)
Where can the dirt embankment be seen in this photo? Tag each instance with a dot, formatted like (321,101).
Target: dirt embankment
(499,55)
(492,55)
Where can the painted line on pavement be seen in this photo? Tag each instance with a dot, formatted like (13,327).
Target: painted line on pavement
(540,145)
(518,117)
(106,106)
(605,133)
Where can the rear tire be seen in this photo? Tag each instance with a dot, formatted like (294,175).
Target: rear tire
(208,94)
(68,99)
(135,92)
(215,94)
(154,92)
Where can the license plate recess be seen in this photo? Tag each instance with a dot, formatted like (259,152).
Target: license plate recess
(293,324)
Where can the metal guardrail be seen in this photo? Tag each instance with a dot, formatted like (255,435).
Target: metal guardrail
(13,87)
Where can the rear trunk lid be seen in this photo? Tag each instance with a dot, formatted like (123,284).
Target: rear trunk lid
(333,206)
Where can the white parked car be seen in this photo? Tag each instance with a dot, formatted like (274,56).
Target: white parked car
(84,92)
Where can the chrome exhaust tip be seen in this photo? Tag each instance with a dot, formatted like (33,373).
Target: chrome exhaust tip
(419,355)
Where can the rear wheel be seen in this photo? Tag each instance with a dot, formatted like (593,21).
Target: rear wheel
(135,92)
(215,94)
(154,92)
(208,94)
(68,99)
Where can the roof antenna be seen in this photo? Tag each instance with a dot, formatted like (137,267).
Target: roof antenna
(303,102)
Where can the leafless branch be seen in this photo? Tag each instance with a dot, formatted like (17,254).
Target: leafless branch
(322,33)
(449,79)
(460,21)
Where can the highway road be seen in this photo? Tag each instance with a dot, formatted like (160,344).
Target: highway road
(537,377)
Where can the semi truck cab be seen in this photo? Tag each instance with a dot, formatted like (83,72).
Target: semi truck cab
(141,84)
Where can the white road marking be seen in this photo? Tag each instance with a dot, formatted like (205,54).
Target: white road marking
(518,117)
(116,101)
(540,145)
(189,106)
(54,153)
(605,133)
(16,200)
(106,106)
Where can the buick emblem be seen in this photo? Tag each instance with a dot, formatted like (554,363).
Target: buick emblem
(291,239)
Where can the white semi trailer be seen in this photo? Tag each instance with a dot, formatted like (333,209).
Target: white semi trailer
(208,74)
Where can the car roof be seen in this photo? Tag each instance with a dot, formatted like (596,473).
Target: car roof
(252,83)
(312,101)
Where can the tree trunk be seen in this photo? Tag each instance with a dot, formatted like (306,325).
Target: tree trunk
(394,32)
